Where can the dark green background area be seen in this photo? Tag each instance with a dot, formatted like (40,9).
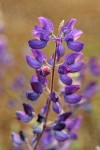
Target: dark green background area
(20,16)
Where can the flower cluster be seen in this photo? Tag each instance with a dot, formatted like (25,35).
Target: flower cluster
(64,127)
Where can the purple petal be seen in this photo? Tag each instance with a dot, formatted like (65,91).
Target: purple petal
(56,107)
(31,95)
(41,34)
(37,87)
(76,67)
(34,79)
(17,148)
(72,58)
(33,62)
(61,135)
(64,116)
(38,128)
(75,45)
(60,50)
(54,97)
(70,89)
(94,66)
(73,35)
(69,25)
(37,44)
(44,71)
(39,55)
(43,81)
(64,69)
(28,109)
(65,79)
(16,139)
(22,116)
(43,110)
(73,123)
(73,98)
(51,59)
(90,89)
(73,135)
(46,24)
(59,126)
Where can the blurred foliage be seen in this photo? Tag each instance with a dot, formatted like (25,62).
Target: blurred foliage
(20,16)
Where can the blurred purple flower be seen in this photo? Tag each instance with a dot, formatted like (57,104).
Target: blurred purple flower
(94,65)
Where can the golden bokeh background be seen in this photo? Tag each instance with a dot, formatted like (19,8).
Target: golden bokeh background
(20,16)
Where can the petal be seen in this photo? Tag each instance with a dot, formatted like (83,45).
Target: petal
(43,81)
(60,50)
(51,59)
(74,34)
(54,97)
(64,116)
(16,139)
(33,62)
(44,71)
(73,135)
(39,55)
(31,95)
(75,45)
(17,148)
(65,79)
(76,67)
(41,34)
(90,89)
(70,89)
(69,25)
(72,58)
(56,107)
(38,128)
(73,98)
(46,24)
(34,79)
(73,123)
(64,69)
(94,66)
(61,135)
(22,116)
(43,110)
(59,126)
(28,109)
(37,87)
(37,44)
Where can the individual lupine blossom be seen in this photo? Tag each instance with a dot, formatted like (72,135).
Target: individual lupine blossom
(94,66)
(5,57)
(71,64)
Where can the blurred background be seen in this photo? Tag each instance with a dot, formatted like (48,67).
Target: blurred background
(17,19)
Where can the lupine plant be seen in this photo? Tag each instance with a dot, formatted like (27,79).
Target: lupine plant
(57,134)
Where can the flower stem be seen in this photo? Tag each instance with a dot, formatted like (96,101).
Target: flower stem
(49,102)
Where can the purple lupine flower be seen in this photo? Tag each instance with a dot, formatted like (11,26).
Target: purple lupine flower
(41,33)
(94,66)
(58,129)
(71,40)
(26,115)
(69,95)
(32,96)
(37,60)
(18,138)
(90,89)
(19,82)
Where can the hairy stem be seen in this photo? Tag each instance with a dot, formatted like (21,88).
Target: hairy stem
(49,102)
